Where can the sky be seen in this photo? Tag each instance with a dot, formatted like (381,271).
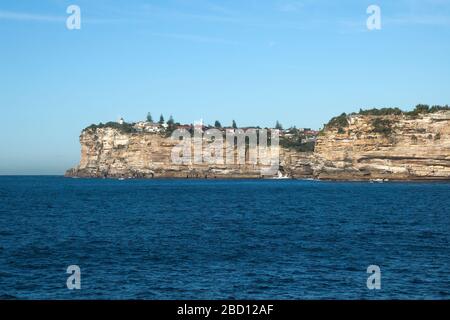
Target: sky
(299,62)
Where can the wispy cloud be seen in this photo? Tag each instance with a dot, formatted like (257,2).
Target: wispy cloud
(209,12)
(214,15)
(194,38)
(36,17)
(221,9)
(21,16)
(223,16)
(427,20)
(290,6)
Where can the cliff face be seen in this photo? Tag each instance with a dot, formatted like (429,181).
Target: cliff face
(108,152)
(392,147)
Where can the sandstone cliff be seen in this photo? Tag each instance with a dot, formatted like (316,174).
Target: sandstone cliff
(395,147)
(109,152)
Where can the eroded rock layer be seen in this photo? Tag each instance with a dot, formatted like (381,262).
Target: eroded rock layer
(394,147)
(108,152)
(391,147)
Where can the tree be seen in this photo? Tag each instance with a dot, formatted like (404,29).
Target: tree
(161,119)
(422,108)
(170,122)
(338,122)
(149,117)
(234,125)
(217,124)
(278,126)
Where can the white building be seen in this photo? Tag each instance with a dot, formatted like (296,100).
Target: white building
(144,126)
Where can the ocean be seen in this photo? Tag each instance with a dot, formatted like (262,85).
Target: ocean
(223,239)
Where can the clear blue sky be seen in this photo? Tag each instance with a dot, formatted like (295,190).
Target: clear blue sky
(299,62)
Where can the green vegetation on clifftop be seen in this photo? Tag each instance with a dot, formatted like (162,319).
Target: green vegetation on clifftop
(383,126)
(124,127)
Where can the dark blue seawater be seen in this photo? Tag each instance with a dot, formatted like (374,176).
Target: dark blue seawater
(205,239)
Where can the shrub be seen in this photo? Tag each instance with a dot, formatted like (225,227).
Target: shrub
(296,144)
(124,128)
(381,112)
(439,108)
(419,109)
(339,122)
(382,126)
